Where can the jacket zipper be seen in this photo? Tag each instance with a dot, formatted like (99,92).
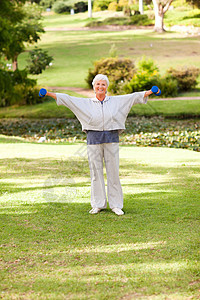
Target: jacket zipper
(102,114)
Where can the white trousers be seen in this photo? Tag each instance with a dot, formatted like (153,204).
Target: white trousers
(110,153)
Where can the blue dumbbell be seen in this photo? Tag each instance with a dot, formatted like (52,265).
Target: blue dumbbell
(156,90)
(42,93)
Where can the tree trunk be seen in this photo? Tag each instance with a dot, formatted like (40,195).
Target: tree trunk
(159,16)
(159,25)
(15,63)
(89,8)
(141,10)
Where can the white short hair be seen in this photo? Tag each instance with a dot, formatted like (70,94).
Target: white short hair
(100,77)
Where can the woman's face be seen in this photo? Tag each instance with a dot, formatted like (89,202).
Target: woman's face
(100,87)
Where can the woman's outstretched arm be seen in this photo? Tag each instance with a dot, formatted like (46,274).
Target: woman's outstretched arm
(148,93)
(53,95)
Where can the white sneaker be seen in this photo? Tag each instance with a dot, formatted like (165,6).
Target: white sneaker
(95,210)
(118,211)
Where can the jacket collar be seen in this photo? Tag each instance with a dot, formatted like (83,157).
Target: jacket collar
(97,100)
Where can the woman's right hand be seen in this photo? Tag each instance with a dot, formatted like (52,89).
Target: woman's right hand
(42,93)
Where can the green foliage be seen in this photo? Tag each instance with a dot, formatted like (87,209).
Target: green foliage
(175,80)
(123,3)
(158,132)
(80,6)
(35,1)
(62,7)
(145,77)
(127,11)
(6,87)
(194,3)
(101,4)
(65,6)
(186,77)
(116,21)
(113,51)
(140,20)
(10,13)
(168,86)
(132,20)
(47,3)
(117,70)
(25,30)
(39,60)
(17,88)
(113,6)
(140,131)
(147,64)
(20,29)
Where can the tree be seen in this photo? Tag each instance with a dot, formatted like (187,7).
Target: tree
(194,3)
(160,8)
(141,10)
(10,14)
(23,27)
(89,8)
(39,60)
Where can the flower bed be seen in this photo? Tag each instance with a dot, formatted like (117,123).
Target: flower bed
(140,131)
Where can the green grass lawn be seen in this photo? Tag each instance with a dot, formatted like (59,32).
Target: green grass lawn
(51,248)
(180,14)
(184,17)
(49,109)
(53,20)
(75,52)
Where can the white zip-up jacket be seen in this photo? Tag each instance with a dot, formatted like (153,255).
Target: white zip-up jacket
(109,115)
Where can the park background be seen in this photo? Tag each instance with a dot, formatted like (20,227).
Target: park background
(51,248)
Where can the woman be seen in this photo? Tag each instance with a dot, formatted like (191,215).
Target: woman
(103,118)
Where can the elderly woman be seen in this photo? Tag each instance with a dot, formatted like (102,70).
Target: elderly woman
(103,118)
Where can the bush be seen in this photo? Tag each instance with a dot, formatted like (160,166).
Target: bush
(101,5)
(140,20)
(94,24)
(47,3)
(145,77)
(123,3)
(148,75)
(117,69)
(80,6)
(116,21)
(186,77)
(39,60)
(168,86)
(61,7)
(6,87)
(17,88)
(133,20)
(113,6)
(127,11)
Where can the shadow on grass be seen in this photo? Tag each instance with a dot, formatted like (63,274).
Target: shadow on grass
(32,168)
(60,247)
(197,16)
(24,175)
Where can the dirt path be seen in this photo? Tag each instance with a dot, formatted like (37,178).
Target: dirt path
(99,28)
(90,93)
(186,30)
(86,92)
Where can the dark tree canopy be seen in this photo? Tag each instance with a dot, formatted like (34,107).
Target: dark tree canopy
(20,24)
(194,2)
(10,14)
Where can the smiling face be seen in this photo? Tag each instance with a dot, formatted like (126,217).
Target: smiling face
(100,89)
